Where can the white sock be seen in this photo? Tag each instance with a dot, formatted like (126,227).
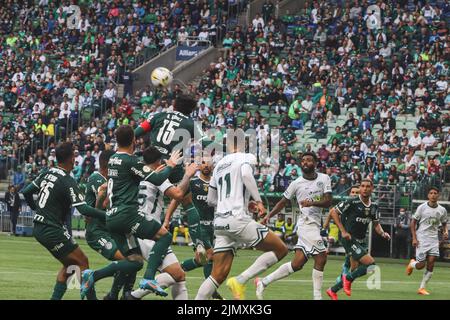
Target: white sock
(426,277)
(317,277)
(282,272)
(413,264)
(208,287)
(261,264)
(179,291)
(165,280)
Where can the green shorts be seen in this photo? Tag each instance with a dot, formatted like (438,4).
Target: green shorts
(127,224)
(355,248)
(207,235)
(101,241)
(57,240)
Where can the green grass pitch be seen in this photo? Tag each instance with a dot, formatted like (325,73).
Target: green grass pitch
(28,271)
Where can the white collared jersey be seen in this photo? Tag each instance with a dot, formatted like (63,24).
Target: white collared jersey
(232,196)
(314,190)
(428,221)
(151,199)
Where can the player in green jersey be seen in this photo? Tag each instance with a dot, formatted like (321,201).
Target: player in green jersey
(352,218)
(58,192)
(123,218)
(354,192)
(97,235)
(199,188)
(167,130)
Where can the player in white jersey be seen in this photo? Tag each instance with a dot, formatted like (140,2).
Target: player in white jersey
(230,189)
(313,193)
(151,201)
(424,230)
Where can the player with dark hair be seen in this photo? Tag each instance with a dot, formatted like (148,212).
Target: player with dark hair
(313,194)
(151,202)
(167,130)
(58,192)
(352,217)
(97,235)
(424,230)
(124,220)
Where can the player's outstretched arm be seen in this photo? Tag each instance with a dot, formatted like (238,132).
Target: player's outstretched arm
(169,212)
(325,202)
(326,224)
(142,129)
(211,200)
(101,197)
(89,211)
(250,183)
(28,193)
(278,207)
(381,232)
(337,220)
(413,232)
(444,230)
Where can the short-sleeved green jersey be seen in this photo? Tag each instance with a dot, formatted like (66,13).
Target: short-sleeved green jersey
(163,127)
(356,216)
(94,182)
(125,172)
(58,193)
(199,189)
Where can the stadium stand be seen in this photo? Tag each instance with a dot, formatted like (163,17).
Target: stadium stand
(365,89)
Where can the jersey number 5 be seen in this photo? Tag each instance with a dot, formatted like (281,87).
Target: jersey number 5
(167,131)
(227,187)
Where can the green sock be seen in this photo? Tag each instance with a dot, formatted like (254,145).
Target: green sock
(190,264)
(118,283)
(129,282)
(124,266)
(358,272)
(59,290)
(346,266)
(338,285)
(157,255)
(207,268)
(193,219)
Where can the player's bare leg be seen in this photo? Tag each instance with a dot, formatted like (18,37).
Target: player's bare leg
(171,276)
(274,250)
(162,240)
(193,218)
(221,269)
(77,259)
(348,266)
(366,264)
(426,275)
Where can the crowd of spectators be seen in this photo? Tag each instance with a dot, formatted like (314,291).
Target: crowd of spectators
(60,62)
(325,77)
(374,102)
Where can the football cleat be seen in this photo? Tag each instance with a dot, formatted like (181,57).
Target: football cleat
(236,288)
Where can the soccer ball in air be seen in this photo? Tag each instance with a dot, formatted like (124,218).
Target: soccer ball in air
(161,77)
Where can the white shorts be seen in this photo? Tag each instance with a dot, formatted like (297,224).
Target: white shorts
(147,246)
(309,240)
(233,232)
(425,249)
